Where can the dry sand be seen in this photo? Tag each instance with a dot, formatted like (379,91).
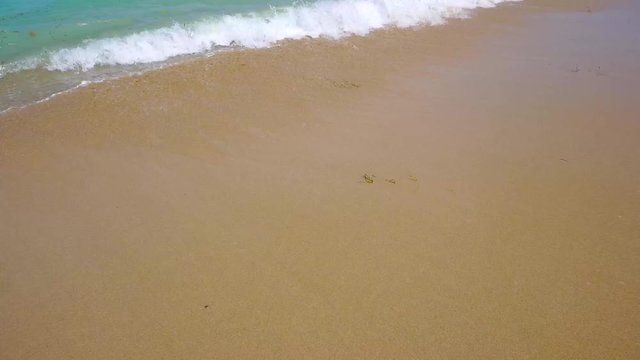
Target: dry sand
(217,209)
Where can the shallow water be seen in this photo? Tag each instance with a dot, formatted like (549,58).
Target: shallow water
(47,46)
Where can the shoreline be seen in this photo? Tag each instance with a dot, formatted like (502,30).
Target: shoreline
(219,208)
(194,59)
(33,78)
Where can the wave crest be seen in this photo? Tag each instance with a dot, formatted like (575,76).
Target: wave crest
(325,18)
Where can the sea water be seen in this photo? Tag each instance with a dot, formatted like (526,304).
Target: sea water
(48,46)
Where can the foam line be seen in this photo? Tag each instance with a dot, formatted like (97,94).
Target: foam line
(325,18)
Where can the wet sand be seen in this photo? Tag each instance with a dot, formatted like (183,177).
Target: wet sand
(218,209)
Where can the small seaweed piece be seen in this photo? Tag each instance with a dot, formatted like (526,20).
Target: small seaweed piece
(391,181)
(413,178)
(368,178)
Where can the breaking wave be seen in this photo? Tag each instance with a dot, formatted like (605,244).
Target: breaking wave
(326,18)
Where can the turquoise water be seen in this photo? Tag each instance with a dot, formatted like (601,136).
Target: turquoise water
(49,46)
(27,27)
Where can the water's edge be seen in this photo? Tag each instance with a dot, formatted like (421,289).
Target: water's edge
(41,77)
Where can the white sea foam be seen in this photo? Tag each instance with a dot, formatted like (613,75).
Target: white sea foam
(325,18)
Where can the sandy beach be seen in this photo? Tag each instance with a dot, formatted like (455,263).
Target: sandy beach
(465,191)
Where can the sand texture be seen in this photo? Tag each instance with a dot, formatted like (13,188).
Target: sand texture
(219,209)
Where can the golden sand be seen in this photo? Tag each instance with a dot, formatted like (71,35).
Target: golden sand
(220,209)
